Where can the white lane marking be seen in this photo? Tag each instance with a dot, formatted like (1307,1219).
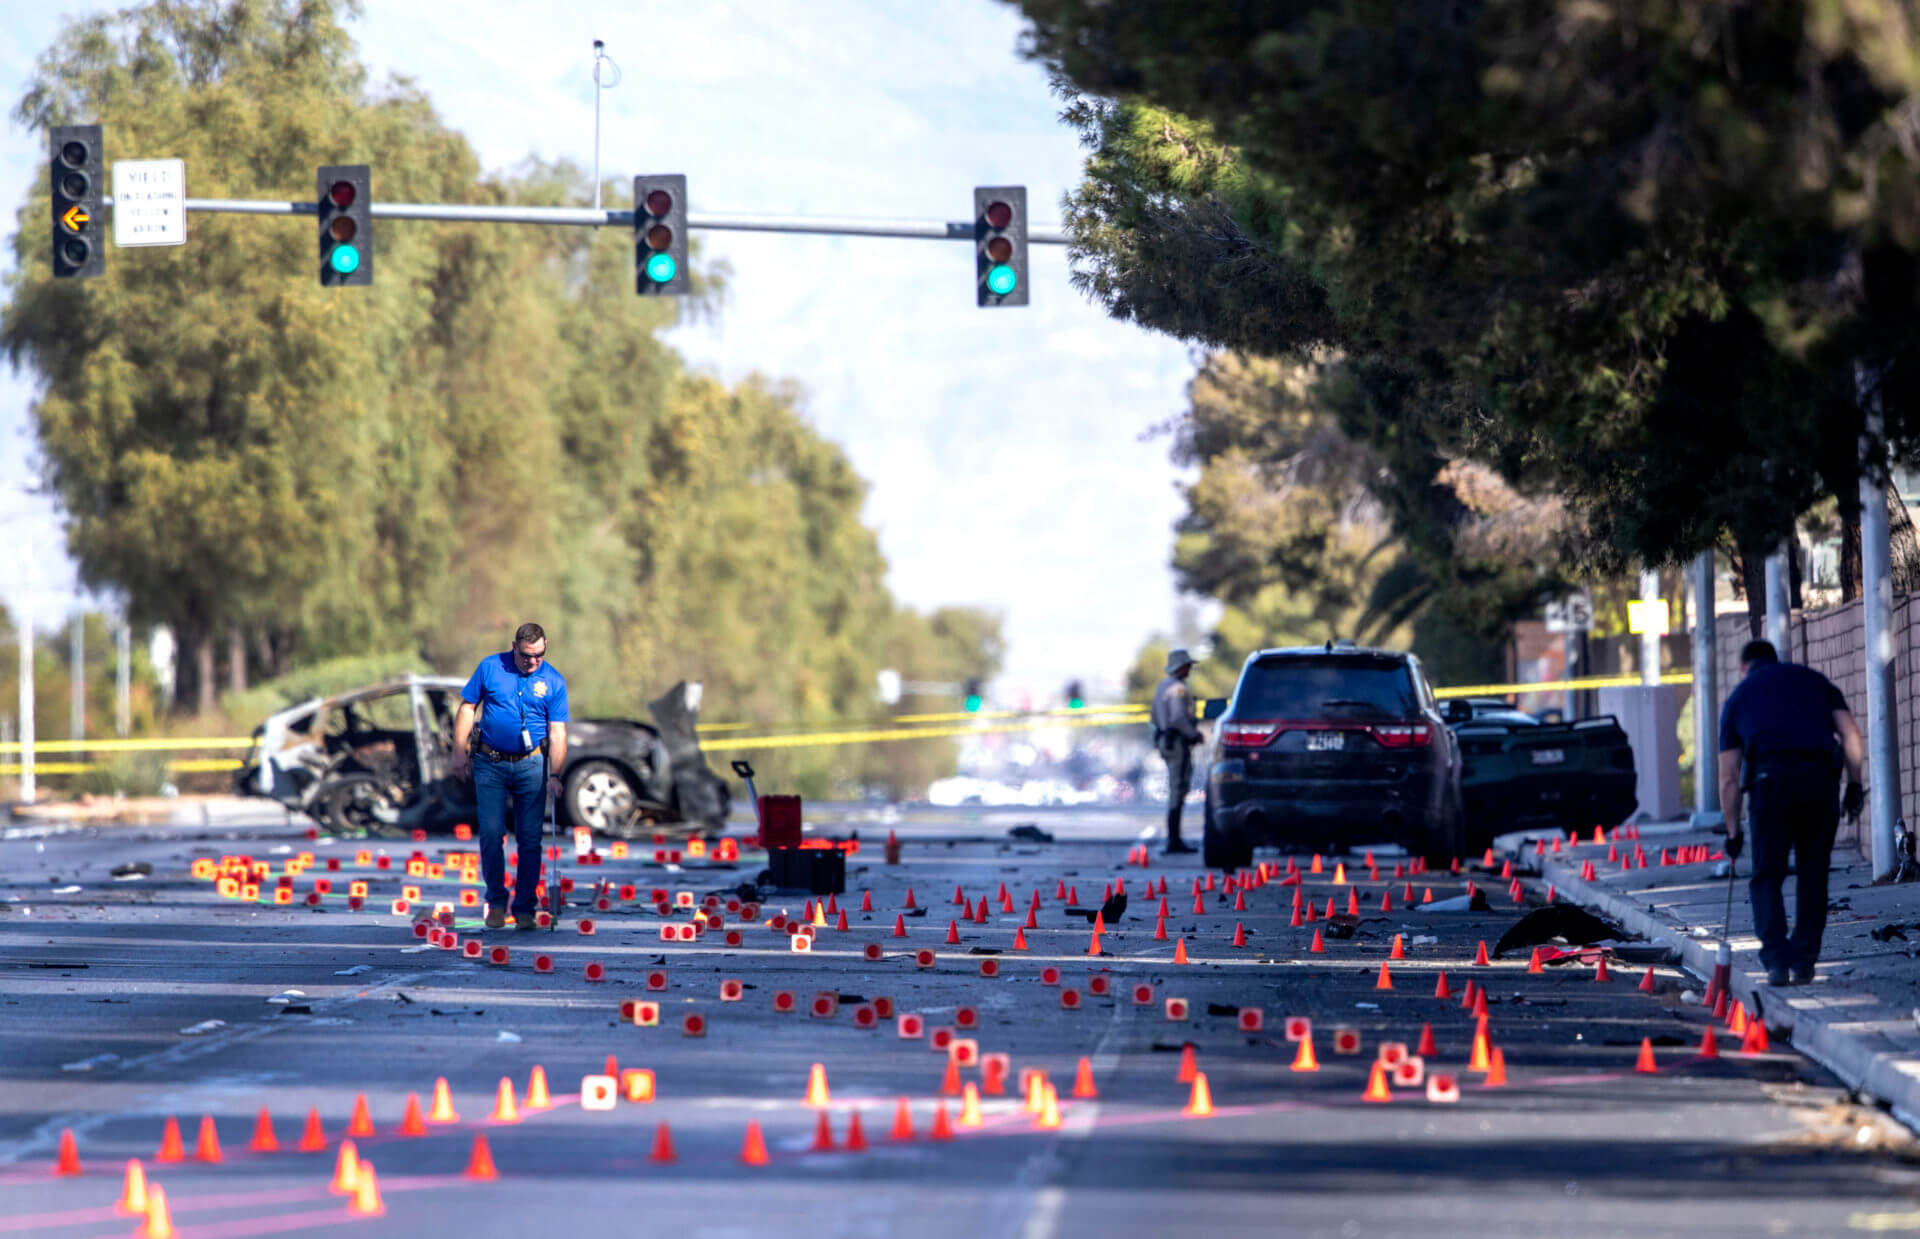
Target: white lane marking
(1034,1175)
(1147,832)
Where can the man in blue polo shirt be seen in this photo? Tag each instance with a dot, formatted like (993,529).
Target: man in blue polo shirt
(1790,728)
(521,704)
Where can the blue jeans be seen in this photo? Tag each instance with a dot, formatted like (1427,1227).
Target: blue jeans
(1794,807)
(511,791)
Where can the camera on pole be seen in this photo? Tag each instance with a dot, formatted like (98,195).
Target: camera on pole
(1000,245)
(78,171)
(660,235)
(344,194)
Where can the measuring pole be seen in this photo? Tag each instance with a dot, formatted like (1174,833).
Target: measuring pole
(26,673)
(123,673)
(77,675)
(1706,695)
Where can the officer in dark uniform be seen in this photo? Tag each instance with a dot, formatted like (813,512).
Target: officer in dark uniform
(520,703)
(1175,734)
(1782,722)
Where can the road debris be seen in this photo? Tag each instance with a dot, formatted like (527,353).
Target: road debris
(202,1028)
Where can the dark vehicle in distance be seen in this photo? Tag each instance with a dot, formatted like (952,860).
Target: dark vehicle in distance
(1521,772)
(377,760)
(1331,747)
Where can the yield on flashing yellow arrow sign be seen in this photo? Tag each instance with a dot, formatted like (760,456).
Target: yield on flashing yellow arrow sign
(76,218)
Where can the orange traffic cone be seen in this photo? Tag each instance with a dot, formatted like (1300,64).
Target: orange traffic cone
(1399,950)
(856,1135)
(1709,1047)
(1440,989)
(411,1121)
(171,1148)
(902,1121)
(1755,1040)
(942,1128)
(1239,934)
(207,1149)
(1083,1079)
(662,1145)
(1497,1070)
(69,1163)
(1377,1083)
(366,1193)
(1482,1058)
(480,1161)
(1385,980)
(1303,1059)
(346,1169)
(1319,946)
(950,1082)
(1160,929)
(1048,1116)
(1600,972)
(537,1098)
(1180,951)
(1187,1065)
(753,1149)
(1646,982)
(953,933)
(1019,939)
(1737,1021)
(1200,1102)
(504,1109)
(133,1194)
(970,1106)
(1646,1064)
(264,1141)
(159,1219)
(442,1111)
(360,1126)
(1426,1047)
(822,1134)
(312,1138)
(1534,965)
(1480,959)
(1093,947)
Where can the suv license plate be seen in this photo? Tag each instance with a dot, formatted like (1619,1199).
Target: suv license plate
(1326,741)
(1549,757)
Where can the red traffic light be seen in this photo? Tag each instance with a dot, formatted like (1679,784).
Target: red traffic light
(343,229)
(999,214)
(342,194)
(659,202)
(659,237)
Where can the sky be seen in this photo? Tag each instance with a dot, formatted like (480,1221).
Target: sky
(1007,450)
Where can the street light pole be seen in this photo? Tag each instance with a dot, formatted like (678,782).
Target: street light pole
(1779,602)
(1876,602)
(26,672)
(1706,695)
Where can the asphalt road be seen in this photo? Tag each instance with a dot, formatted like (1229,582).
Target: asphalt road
(99,986)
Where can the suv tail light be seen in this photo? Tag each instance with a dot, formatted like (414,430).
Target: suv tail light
(1248,735)
(1404,736)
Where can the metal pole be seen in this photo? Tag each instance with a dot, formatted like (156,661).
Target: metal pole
(123,673)
(77,676)
(458,213)
(1876,594)
(1779,602)
(26,673)
(1706,695)
(1570,655)
(1650,639)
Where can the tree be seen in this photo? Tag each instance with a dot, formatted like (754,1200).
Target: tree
(1629,255)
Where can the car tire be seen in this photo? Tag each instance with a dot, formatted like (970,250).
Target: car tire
(349,806)
(1221,848)
(599,795)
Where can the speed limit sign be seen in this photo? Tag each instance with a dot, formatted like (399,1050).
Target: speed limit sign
(1572,613)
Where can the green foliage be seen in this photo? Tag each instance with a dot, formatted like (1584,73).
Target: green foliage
(492,432)
(123,774)
(1628,255)
(244,711)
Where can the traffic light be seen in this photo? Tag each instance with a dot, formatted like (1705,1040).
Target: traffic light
(970,694)
(78,170)
(345,206)
(1076,695)
(1000,245)
(660,235)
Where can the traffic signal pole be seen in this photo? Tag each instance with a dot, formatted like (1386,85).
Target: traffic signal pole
(587,217)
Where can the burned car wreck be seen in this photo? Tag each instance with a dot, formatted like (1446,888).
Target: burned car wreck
(378,760)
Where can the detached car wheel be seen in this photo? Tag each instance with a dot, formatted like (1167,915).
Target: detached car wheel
(599,796)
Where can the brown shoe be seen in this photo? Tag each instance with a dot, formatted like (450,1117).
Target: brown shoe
(496,917)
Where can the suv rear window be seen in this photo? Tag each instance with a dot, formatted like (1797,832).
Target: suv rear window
(1327,686)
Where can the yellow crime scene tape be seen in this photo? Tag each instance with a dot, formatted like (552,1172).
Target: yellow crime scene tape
(972,723)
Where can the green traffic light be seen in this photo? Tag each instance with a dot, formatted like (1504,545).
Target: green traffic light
(661,269)
(344,259)
(1076,703)
(973,704)
(1001,280)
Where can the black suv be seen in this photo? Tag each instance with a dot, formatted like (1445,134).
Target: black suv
(1329,747)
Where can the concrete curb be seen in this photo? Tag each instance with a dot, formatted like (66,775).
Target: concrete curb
(1834,1029)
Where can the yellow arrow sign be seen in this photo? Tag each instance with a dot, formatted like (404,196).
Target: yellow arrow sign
(75,218)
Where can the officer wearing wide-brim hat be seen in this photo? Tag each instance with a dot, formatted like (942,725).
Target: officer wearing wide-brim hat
(1175,734)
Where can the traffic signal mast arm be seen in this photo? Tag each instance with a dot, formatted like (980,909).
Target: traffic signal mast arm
(449,212)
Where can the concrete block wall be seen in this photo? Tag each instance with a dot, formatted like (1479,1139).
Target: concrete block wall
(1831,642)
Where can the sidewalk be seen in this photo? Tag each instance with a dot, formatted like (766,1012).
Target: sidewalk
(1858,1018)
